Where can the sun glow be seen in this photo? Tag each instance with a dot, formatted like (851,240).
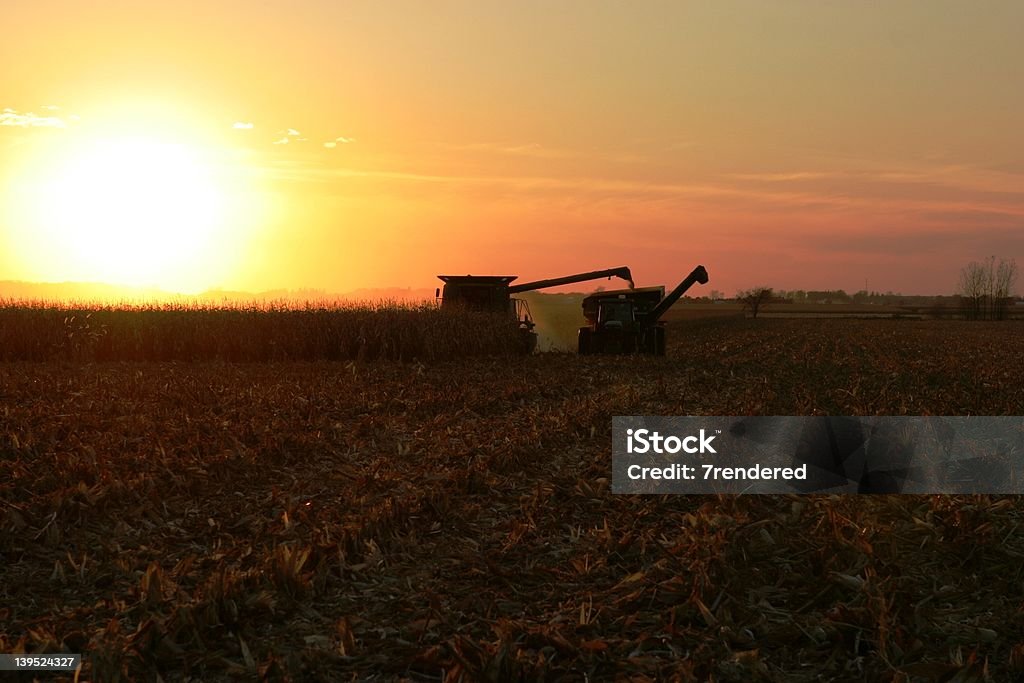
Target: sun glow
(135,210)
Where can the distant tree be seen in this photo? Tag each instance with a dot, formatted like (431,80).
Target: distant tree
(754,299)
(972,289)
(1002,293)
(831,296)
(986,287)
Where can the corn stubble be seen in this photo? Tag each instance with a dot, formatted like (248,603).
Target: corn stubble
(452,521)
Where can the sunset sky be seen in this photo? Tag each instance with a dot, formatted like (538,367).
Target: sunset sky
(343,145)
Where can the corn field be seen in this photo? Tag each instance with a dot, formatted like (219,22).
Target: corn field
(40,331)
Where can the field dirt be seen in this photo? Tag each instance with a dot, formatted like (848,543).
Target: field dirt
(453,521)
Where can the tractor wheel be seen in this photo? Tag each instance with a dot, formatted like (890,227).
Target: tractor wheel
(659,341)
(645,342)
(584,341)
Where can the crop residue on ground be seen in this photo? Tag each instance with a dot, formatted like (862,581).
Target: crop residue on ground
(391,520)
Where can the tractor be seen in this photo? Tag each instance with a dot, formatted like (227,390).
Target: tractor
(629,320)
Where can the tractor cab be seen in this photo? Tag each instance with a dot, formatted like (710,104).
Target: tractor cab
(615,313)
(615,319)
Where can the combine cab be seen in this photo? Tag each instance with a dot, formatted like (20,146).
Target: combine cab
(629,320)
(493,293)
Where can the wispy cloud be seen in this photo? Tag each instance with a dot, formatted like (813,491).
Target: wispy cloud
(781,177)
(243,125)
(527,149)
(11,117)
(637,189)
(824,194)
(538,151)
(331,144)
(907,187)
(289,135)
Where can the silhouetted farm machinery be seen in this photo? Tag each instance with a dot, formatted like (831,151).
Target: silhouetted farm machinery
(493,293)
(629,320)
(618,321)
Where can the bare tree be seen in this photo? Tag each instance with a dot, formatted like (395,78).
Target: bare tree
(1005,279)
(754,299)
(972,289)
(986,288)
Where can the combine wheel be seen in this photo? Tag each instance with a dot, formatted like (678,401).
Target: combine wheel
(528,341)
(584,341)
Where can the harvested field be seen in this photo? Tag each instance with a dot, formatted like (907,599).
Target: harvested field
(453,521)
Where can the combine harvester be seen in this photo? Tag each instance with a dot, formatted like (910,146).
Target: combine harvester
(493,293)
(629,320)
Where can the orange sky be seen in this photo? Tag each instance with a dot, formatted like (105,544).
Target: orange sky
(797,145)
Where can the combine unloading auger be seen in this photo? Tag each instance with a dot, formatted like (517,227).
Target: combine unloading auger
(493,293)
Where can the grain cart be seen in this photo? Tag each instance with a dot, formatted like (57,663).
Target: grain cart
(629,320)
(493,293)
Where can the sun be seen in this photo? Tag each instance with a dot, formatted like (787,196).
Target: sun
(126,209)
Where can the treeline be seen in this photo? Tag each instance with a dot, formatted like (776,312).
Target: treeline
(839,296)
